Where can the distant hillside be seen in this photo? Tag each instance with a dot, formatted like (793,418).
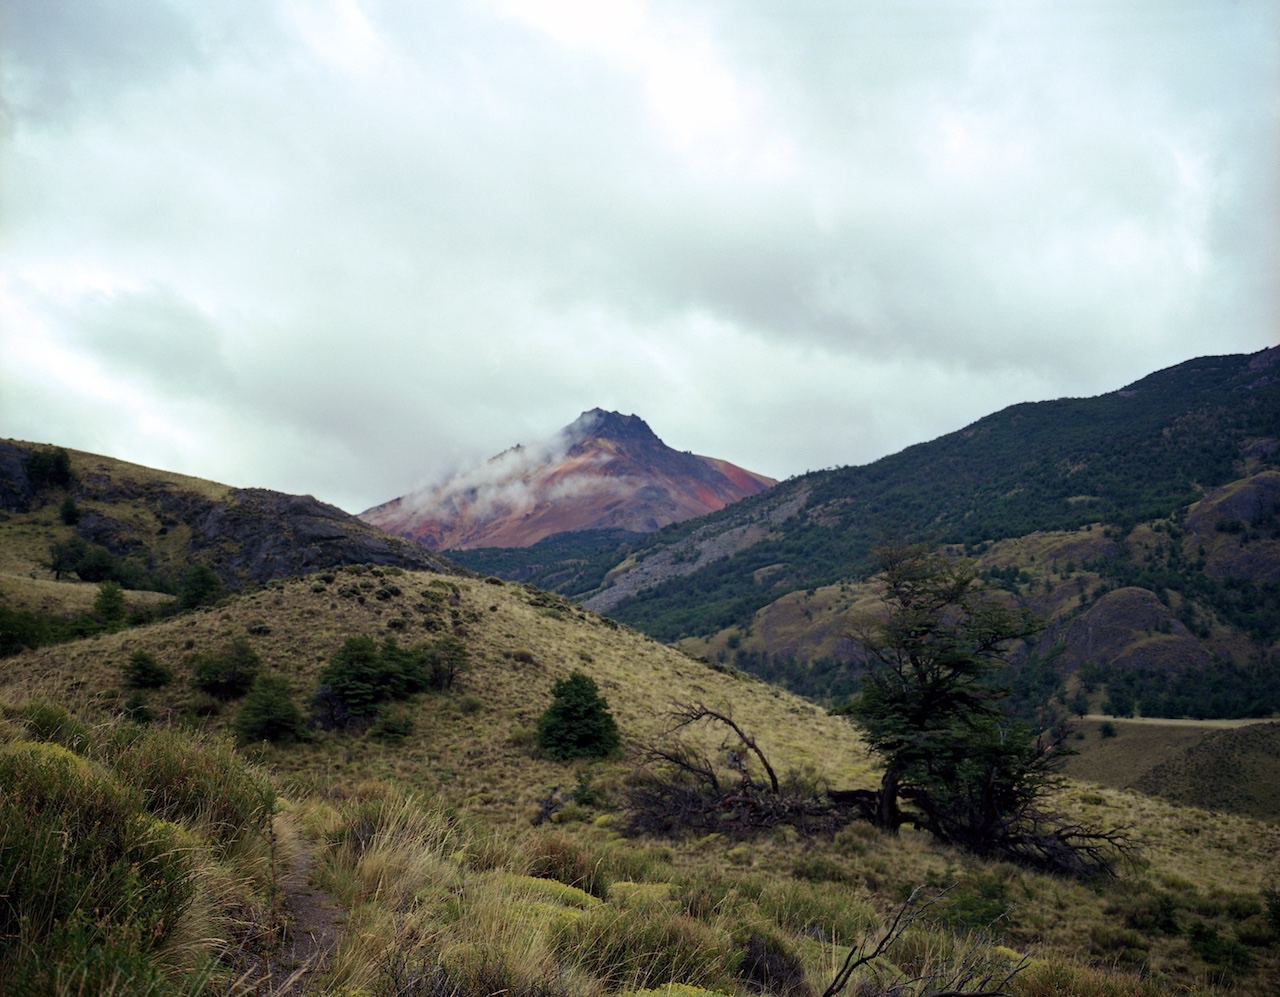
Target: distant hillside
(603,472)
(1210,766)
(148,527)
(1145,523)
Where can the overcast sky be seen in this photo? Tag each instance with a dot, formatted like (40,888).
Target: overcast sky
(343,247)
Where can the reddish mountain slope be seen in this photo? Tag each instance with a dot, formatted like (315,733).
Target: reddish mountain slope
(605,471)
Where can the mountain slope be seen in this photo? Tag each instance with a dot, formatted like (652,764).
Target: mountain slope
(605,471)
(1128,456)
(156,524)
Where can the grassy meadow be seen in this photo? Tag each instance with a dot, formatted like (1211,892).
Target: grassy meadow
(406,859)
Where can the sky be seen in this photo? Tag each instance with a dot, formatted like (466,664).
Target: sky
(347,247)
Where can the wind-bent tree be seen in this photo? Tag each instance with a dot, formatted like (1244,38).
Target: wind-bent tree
(929,705)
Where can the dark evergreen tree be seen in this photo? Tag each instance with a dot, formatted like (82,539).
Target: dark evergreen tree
(143,671)
(269,713)
(965,771)
(578,723)
(200,587)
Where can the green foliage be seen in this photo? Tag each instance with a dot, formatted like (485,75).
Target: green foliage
(269,713)
(226,674)
(53,722)
(1220,689)
(200,587)
(93,885)
(69,512)
(926,705)
(187,777)
(108,605)
(631,948)
(143,671)
(358,678)
(578,723)
(392,726)
(361,676)
(93,563)
(1271,897)
(49,468)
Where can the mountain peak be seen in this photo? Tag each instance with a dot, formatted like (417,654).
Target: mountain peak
(600,424)
(605,470)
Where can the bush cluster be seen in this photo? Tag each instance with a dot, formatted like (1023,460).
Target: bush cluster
(226,674)
(362,676)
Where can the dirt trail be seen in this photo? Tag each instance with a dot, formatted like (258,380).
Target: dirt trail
(314,926)
(1164,722)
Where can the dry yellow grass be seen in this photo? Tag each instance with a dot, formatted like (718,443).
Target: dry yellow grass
(470,749)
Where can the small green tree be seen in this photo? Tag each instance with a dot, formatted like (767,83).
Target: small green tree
(227,674)
(143,671)
(578,723)
(69,512)
(200,587)
(108,606)
(49,468)
(269,713)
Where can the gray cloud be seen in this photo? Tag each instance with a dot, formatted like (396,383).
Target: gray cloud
(348,247)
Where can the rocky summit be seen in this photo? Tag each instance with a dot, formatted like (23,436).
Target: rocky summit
(604,471)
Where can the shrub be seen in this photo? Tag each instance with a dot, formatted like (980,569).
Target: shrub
(578,723)
(229,673)
(143,671)
(69,512)
(137,710)
(200,587)
(186,777)
(108,606)
(392,726)
(631,948)
(46,721)
(93,885)
(269,713)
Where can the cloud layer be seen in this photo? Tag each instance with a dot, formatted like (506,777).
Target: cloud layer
(347,247)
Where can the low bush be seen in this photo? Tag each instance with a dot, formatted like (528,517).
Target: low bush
(143,671)
(226,674)
(269,713)
(46,721)
(183,776)
(94,886)
(631,949)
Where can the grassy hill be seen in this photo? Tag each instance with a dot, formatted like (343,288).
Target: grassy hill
(409,853)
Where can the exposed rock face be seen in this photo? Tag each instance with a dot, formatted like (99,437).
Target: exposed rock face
(260,535)
(15,487)
(606,471)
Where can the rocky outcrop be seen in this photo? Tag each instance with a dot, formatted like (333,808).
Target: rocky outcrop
(1238,527)
(259,535)
(1132,628)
